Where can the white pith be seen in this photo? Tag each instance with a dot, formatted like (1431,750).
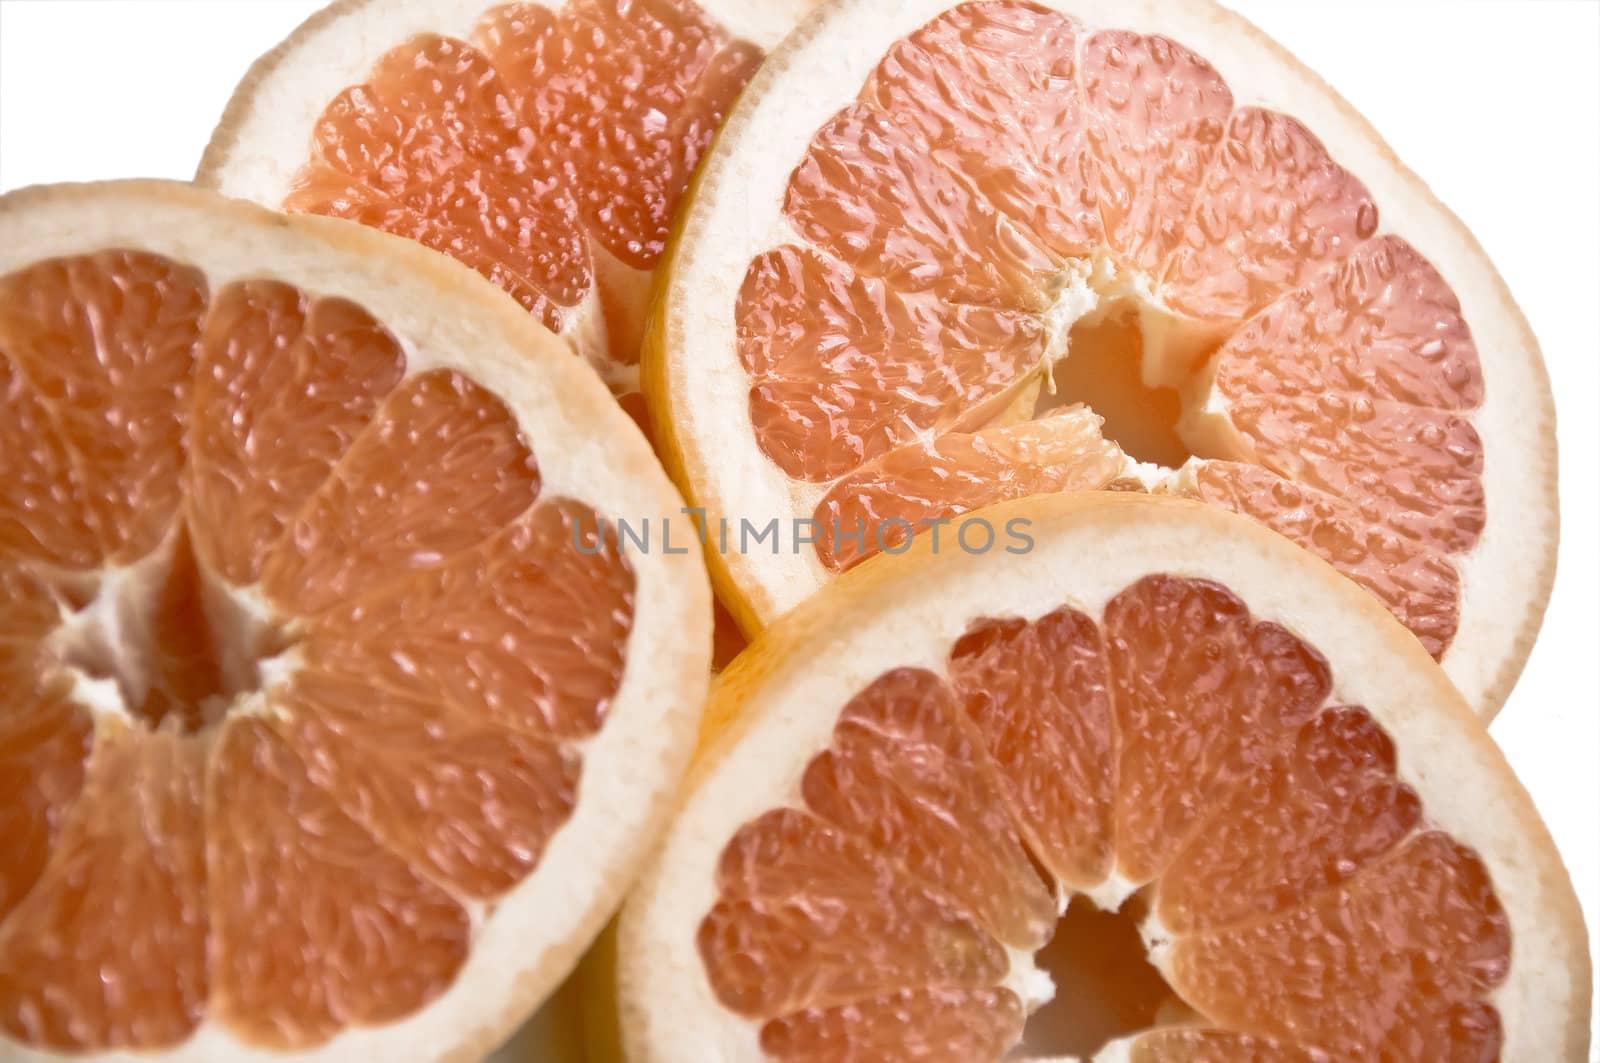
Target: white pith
(908,612)
(737,213)
(444,316)
(112,629)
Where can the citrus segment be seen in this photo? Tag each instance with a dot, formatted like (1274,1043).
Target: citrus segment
(32,611)
(1419,939)
(44,737)
(845,368)
(439,469)
(317,925)
(533,274)
(105,344)
(1190,670)
(882,504)
(44,741)
(125,893)
(1424,466)
(1380,322)
(41,471)
(928,1024)
(293,379)
(1052,733)
(868,194)
(624,97)
(486,669)
(1217,1046)
(1274,209)
(1156,113)
(469,805)
(545,657)
(948,82)
(793,886)
(904,773)
(1420,587)
(304,663)
(1322,808)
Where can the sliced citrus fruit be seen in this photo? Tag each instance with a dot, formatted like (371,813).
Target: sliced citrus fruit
(948,254)
(544,144)
(1152,783)
(335,719)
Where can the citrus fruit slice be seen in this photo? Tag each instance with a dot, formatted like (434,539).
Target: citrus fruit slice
(943,255)
(1148,783)
(546,145)
(335,721)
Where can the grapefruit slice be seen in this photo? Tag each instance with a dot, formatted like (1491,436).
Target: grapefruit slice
(1156,785)
(335,723)
(544,144)
(948,254)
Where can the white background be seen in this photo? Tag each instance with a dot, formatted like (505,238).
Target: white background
(1496,105)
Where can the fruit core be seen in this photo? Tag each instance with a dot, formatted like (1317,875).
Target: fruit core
(1105,985)
(1144,375)
(163,643)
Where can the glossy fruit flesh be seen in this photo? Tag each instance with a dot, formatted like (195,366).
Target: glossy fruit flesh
(550,140)
(267,739)
(1003,169)
(1301,904)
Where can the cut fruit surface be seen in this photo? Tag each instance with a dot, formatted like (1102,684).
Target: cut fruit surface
(544,144)
(951,254)
(320,669)
(1164,787)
